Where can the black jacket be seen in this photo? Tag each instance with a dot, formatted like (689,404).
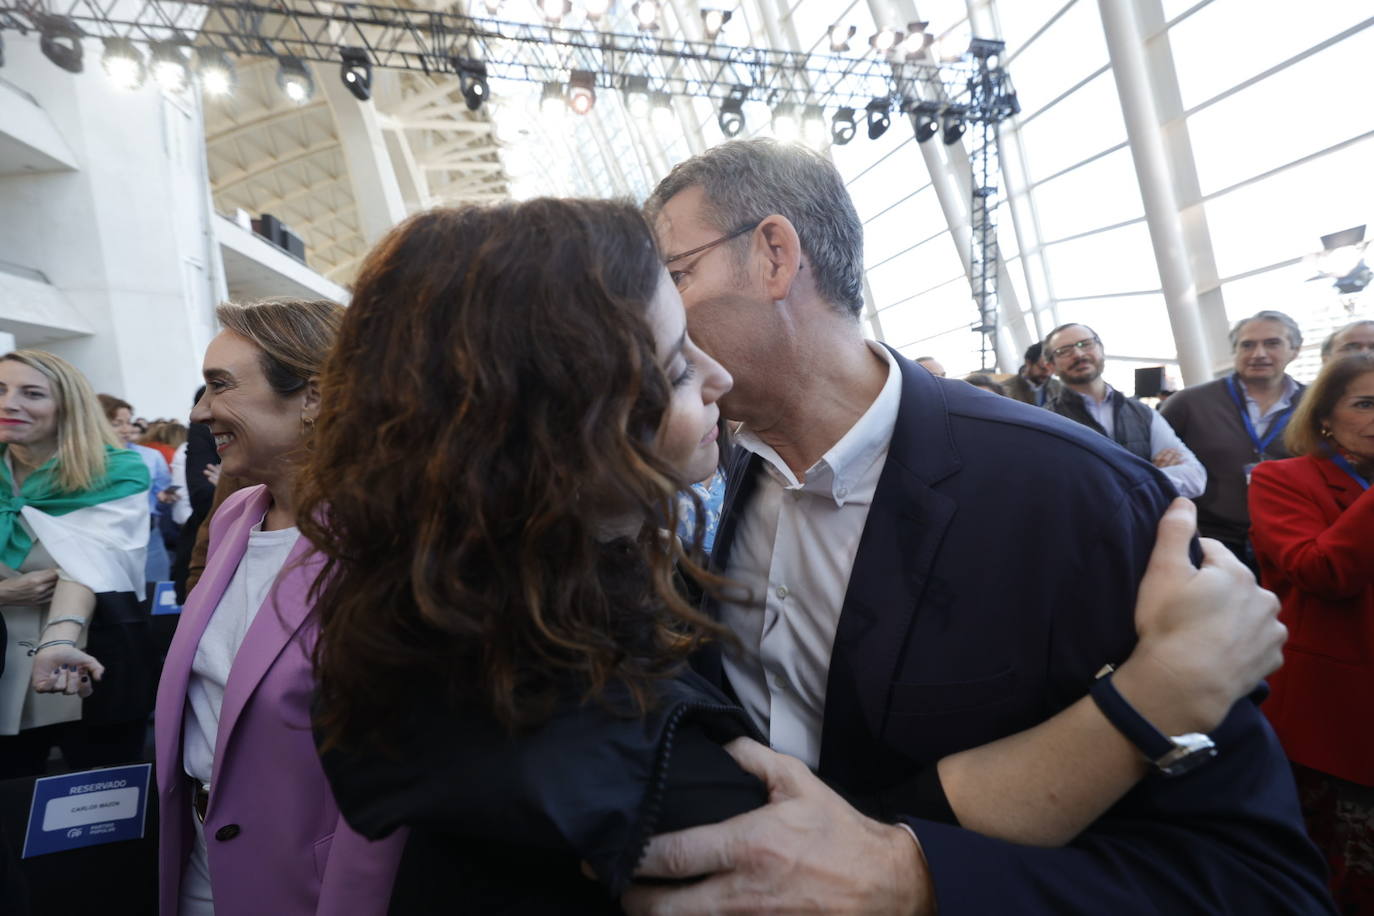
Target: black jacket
(501,824)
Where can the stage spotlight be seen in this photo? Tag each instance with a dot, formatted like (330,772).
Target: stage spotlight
(786,124)
(712,21)
(953,124)
(813,126)
(294,80)
(123,63)
(731,117)
(472,81)
(555,10)
(60,40)
(646,14)
(988,50)
(840,36)
(879,117)
(217,76)
(170,67)
(884,40)
(661,112)
(917,40)
(595,9)
(842,127)
(552,103)
(356,72)
(925,119)
(493,6)
(637,96)
(581,91)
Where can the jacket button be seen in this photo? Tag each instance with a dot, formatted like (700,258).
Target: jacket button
(227,832)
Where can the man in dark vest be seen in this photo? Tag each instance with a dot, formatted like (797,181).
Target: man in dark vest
(1076,353)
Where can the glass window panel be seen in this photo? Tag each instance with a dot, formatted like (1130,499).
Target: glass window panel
(1067,52)
(1101,193)
(1080,126)
(1307,107)
(1020,19)
(1130,326)
(1018,288)
(1229,41)
(1285,215)
(942,15)
(889,180)
(812,19)
(957,351)
(920,268)
(947,307)
(909,222)
(1174,8)
(861,154)
(1115,261)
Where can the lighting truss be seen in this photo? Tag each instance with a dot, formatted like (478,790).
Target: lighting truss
(429,41)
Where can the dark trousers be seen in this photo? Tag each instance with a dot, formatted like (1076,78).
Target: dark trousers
(84,747)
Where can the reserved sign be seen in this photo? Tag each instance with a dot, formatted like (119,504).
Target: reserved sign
(87,809)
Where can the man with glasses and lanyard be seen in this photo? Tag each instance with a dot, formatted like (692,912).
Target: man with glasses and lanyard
(1235,422)
(1076,353)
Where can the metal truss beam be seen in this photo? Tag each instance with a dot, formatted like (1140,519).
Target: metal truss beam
(429,41)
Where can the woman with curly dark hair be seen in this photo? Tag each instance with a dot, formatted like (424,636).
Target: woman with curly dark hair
(510,412)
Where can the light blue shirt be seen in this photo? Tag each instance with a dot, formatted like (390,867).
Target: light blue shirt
(1189,478)
(158,471)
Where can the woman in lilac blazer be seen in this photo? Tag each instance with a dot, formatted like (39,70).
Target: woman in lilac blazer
(248,822)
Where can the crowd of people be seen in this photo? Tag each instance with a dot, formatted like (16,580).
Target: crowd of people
(453,634)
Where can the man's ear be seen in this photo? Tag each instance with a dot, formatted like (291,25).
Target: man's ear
(783,255)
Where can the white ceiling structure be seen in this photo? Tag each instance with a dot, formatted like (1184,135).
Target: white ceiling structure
(1261,161)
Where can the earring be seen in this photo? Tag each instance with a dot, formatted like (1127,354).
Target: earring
(307,425)
(1326,432)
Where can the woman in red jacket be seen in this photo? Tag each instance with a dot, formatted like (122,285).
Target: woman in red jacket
(1312,523)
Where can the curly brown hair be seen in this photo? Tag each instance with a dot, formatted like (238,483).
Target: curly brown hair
(494,389)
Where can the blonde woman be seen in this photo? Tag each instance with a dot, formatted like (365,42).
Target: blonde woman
(73,534)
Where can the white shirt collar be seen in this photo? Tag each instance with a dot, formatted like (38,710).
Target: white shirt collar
(843,468)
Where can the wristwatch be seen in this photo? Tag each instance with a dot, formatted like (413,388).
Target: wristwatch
(1171,756)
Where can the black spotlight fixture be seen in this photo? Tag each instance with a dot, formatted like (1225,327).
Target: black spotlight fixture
(731,117)
(216,72)
(879,117)
(123,63)
(952,124)
(356,72)
(294,80)
(712,21)
(840,37)
(60,40)
(842,126)
(581,91)
(472,81)
(925,119)
(171,63)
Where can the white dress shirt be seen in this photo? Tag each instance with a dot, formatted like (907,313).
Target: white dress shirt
(1261,419)
(1189,478)
(793,552)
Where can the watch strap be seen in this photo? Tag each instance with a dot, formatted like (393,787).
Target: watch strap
(1153,743)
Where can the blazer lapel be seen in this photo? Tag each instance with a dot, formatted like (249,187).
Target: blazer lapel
(195,617)
(282,614)
(891,575)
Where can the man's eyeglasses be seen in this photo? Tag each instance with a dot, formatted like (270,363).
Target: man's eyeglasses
(709,245)
(1085,344)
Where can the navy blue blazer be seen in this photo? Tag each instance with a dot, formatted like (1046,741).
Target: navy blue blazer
(947,642)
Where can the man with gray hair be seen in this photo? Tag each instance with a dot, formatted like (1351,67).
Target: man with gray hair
(920,686)
(1233,423)
(1356,337)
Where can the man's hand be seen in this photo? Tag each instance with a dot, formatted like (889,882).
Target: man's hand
(1167,458)
(807,850)
(29,589)
(1212,632)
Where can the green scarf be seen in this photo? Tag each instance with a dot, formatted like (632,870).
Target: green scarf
(125,474)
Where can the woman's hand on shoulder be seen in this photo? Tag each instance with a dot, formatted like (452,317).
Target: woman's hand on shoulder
(1210,631)
(30,588)
(65,669)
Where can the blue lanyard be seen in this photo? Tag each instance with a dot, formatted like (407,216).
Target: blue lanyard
(1340,462)
(1276,425)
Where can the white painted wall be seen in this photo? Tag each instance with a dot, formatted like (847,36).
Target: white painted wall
(125,237)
